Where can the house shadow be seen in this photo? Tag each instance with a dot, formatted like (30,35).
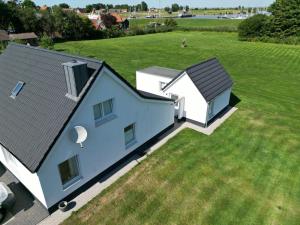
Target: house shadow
(234,100)
(2,170)
(24,200)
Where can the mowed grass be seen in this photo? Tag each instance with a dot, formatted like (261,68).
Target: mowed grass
(247,172)
(191,23)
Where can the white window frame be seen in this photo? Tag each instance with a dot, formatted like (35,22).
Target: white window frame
(211,109)
(162,85)
(73,180)
(133,140)
(104,118)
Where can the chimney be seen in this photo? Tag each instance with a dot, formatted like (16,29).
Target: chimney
(76,73)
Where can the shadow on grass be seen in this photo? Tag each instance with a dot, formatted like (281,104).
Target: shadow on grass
(234,100)
(60,50)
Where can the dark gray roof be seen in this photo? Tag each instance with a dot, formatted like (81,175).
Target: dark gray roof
(210,78)
(150,95)
(161,71)
(31,123)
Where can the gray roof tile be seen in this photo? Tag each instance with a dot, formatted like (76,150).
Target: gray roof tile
(30,123)
(210,78)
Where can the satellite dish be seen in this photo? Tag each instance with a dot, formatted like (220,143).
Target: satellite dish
(79,135)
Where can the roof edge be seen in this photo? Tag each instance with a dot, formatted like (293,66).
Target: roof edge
(55,52)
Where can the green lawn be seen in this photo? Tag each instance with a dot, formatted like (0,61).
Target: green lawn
(247,172)
(191,23)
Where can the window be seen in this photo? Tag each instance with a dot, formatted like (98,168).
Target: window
(17,89)
(175,98)
(211,109)
(162,85)
(69,171)
(129,133)
(103,109)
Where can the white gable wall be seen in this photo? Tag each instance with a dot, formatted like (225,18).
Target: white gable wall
(105,144)
(29,180)
(150,83)
(195,107)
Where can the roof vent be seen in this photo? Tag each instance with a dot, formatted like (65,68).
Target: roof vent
(76,73)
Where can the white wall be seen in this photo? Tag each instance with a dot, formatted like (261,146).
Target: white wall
(105,144)
(220,102)
(195,105)
(150,83)
(29,180)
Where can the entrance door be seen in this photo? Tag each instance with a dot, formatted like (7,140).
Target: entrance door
(181,108)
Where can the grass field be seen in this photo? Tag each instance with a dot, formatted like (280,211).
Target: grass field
(190,23)
(247,172)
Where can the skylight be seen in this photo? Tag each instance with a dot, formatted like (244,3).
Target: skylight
(17,89)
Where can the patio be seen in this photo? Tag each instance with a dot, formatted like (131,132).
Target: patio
(27,210)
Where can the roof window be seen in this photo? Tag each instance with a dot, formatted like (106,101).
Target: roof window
(17,89)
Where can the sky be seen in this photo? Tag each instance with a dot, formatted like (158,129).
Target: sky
(163,3)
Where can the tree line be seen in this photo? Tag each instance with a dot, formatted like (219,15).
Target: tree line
(143,6)
(25,16)
(282,26)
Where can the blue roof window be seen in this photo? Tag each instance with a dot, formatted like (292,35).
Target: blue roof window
(17,89)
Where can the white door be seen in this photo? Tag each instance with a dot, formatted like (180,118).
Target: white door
(181,108)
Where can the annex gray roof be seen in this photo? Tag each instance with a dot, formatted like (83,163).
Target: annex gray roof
(150,95)
(210,78)
(31,123)
(161,71)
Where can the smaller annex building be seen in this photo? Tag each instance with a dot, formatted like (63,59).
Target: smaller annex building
(201,91)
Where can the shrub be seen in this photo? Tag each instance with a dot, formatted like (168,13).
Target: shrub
(46,42)
(170,22)
(255,26)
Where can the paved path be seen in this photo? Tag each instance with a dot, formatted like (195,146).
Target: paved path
(57,217)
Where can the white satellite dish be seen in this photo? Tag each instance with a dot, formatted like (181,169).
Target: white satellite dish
(79,135)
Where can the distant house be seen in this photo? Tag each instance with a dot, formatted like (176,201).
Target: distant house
(67,119)
(96,19)
(44,8)
(200,91)
(4,36)
(30,38)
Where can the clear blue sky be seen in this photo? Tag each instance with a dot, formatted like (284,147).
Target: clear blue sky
(155,3)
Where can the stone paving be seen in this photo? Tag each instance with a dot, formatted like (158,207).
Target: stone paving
(27,210)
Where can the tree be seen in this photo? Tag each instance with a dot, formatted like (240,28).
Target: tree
(175,7)
(285,20)
(255,26)
(167,9)
(28,19)
(64,5)
(5,15)
(170,22)
(89,8)
(46,42)
(144,6)
(28,4)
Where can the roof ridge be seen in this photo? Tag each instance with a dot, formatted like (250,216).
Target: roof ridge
(54,52)
(197,64)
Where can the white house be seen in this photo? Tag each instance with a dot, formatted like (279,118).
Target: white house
(201,91)
(66,119)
